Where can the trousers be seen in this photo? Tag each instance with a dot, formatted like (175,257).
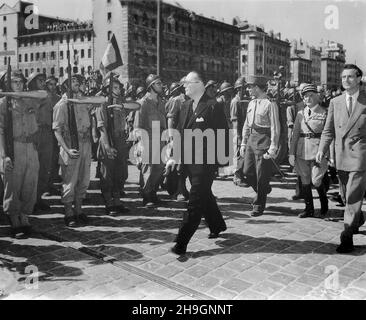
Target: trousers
(45,155)
(202,203)
(20,184)
(76,175)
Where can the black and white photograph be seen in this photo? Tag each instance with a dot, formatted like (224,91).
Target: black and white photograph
(195,152)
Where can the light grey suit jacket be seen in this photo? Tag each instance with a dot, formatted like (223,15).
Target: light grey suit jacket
(349,133)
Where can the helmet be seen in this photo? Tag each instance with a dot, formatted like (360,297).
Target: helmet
(106,81)
(239,83)
(174,87)
(33,77)
(225,86)
(210,83)
(151,79)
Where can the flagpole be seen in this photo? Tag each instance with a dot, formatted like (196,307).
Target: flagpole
(159,39)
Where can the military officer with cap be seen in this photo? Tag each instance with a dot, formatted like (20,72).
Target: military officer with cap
(307,132)
(112,151)
(75,161)
(237,117)
(37,81)
(20,174)
(151,116)
(260,142)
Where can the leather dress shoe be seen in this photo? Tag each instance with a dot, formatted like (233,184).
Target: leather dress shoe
(306,214)
(179,249)
(18,233)
(82,218)
(27,230)
(345,247)
(70,222)
(215,235)
(256,214)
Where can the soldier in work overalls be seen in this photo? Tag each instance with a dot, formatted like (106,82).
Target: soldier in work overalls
(152,112)
(75,154)
(20,174)
(37,81)
(112,151)
(259,146)
(308,128)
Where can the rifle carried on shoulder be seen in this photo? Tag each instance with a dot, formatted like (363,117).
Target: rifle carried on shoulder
(109,111)
(70,107)
(9,141)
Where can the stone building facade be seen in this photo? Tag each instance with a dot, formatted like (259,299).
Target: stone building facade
(189,41)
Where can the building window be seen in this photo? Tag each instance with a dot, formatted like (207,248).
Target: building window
(5,46)
(53,55)
(61,72)
(89,53)
(5,31)
(37,56)
(20,58)
(109,35)
(89,36)
(4,18)
(44,55)
(38,70)
(31,57)
(61,39)
(5,61)
(52,71)
(109,17)
(32,70)
(26,57)
(26,73)
(61,55)
(82,53)
(82,38)
(44,71)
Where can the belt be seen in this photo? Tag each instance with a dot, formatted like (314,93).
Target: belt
(260,130)
(28,139)
(310,135)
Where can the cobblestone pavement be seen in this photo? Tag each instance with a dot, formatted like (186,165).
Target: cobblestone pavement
(276,256)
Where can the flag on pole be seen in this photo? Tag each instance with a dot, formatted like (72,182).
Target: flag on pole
(112,57)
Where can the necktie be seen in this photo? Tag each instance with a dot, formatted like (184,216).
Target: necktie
(350,105)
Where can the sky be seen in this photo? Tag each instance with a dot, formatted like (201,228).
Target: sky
(309,20)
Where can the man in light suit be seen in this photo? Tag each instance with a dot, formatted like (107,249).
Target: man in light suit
(346,123)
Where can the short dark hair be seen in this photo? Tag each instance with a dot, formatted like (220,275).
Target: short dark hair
(359,72)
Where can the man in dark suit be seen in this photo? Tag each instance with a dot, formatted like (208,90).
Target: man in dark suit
(198,116)
(346,124)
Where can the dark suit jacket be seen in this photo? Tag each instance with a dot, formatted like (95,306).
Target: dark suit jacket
(349,133)
(207,119)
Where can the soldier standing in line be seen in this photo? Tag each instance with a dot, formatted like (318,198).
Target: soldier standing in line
(173,113)
(291,114)
(51,86)
(152,112)
(20,173)
(75,160)
(112,151)
(37,81)
(308,128)
(211,89)
(237,117)
(260,142)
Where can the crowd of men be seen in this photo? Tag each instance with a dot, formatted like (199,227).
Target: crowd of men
(55,138)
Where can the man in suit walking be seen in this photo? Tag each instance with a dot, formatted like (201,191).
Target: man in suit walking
(346,123)
(199,116)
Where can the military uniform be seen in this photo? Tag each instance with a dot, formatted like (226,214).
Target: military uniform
(75,172)
(307,132)
(112,170)
(45,143)
(261,133)
(308,127)
(152,167)
(20,184)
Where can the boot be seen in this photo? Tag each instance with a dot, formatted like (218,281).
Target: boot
(323,199)
(80,216)
(70,220)
(309,202)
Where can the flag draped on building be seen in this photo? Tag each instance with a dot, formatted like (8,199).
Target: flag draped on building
(112,57)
